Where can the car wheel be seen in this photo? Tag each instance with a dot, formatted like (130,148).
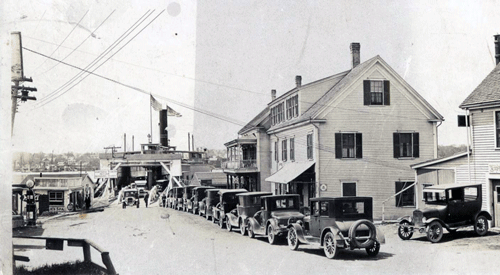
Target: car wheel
(229,227)
(243,229)
(270,235)
(251,234)
(330,246)
(481,225)
(292,239)
(434,232)
(373,251)
(405,231)
(221,222)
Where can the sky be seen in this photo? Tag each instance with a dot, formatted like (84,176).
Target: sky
(216,62)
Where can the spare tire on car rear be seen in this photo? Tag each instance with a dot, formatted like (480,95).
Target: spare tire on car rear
(372,234)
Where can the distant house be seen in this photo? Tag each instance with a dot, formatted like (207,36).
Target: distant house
(248,157)
(215,179)
(482,164)
(354,133)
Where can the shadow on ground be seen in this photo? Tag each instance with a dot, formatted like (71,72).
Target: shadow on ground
(458,235)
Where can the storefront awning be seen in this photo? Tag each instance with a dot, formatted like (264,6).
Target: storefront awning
(290,171)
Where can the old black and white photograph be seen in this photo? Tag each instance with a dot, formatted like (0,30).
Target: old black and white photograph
(249,137)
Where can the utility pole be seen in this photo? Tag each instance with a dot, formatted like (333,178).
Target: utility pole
(18,92)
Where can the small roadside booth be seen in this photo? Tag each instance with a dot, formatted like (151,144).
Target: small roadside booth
(61,193)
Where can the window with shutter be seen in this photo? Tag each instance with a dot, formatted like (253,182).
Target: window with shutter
(276,151)
(309,146)
(292,149)
(406,145)
(283,150)
(348,145)
(376,92)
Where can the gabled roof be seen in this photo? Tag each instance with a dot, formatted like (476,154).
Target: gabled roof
(487,93)
(257,121)
(342,82)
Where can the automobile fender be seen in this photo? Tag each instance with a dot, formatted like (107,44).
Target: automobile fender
(427,222)
(408,219)
(300,232)
(231,218)
(253,223)
(484,213)
(273,223)
(380,236)
(332,229)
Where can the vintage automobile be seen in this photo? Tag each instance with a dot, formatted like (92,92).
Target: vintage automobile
(130,198)
(187,193)
(177,198)
(206,204)
(227,202)
(338,223)
(449,206)
(169,199)
(248,204)
(198,194)
(276,213)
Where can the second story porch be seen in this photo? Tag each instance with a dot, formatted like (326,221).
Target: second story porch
(241,155)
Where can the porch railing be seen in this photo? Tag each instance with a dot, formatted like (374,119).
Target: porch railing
(240,164)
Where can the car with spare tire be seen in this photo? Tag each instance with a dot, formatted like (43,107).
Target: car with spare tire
(336,224)
(449,206)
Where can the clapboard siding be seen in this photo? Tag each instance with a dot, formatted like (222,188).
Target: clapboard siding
(309,95)
(377,172)
(300,140)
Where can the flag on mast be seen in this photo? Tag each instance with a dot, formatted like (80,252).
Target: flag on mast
(172,112)
(155,104)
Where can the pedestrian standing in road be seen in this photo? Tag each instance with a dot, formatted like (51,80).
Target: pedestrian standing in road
(87,202)
(146,197)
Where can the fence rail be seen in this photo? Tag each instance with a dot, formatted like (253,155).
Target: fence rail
(58,244)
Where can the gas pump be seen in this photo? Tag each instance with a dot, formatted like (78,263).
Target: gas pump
(30,204)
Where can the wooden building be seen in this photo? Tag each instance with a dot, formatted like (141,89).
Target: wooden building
(482,166)
(354,133)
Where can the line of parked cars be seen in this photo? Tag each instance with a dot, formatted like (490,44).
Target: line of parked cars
(333,223)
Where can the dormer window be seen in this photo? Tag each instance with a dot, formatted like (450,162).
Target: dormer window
(292,107)
(376,92)
(278,113)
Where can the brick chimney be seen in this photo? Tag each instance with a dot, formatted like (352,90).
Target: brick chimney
(355,54)
(298,80)
(497,48)
(273,95)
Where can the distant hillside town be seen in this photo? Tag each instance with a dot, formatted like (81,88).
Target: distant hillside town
(52,162)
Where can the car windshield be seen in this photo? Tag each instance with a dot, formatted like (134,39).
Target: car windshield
(284,204)
(435,197)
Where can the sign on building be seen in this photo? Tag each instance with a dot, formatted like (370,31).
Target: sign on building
(104,174)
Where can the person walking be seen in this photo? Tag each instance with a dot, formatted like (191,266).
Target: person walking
(146,198)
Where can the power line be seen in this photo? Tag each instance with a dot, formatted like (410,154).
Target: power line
(67,90)
(63,39)
(98,58)
(232,121)
(90,35)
